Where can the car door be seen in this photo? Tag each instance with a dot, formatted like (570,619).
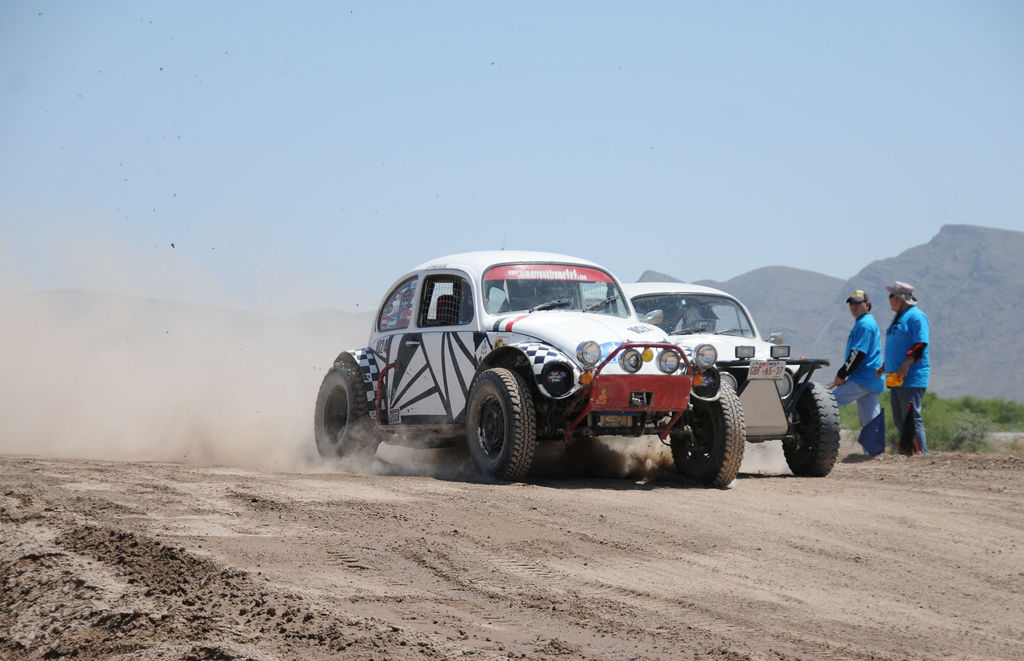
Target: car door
(432,359)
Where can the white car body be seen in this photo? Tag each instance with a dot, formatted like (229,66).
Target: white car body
(724,344)
(436,364)
(727,327)
(508,348)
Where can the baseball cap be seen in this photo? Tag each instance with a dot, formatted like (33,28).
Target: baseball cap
(903,291)
(857,296)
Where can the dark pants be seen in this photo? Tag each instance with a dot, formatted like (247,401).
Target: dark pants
(906,403)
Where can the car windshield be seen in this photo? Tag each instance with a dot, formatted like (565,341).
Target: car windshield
(697,313)
(533,287)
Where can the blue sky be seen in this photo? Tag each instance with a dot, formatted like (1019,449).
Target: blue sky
(304,155)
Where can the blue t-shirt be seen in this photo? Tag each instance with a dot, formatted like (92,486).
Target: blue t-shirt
(866,338)
(907,329)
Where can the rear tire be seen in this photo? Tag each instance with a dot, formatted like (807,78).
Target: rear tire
(342,419)
(713,452)
(501,426)
(815,447)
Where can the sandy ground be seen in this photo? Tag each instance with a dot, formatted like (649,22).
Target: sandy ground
(889,558)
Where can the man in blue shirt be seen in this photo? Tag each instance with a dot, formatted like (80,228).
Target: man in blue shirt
(858,379)
(906,361)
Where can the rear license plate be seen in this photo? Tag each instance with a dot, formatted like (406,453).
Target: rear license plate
(766,369)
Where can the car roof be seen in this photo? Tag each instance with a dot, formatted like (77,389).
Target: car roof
(634,289)
(475,263)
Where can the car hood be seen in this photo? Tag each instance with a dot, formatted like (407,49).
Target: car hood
(725,345)
(566,330)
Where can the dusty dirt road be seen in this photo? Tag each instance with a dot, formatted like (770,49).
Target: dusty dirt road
(891,558)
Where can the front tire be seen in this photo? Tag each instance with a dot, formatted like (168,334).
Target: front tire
(341,422)
(815,447)
(711,453)
(501,425)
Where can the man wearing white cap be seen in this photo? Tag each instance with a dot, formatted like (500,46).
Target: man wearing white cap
(858,378)
(906,361)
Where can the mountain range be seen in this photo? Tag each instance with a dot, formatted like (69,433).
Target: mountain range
(969,282)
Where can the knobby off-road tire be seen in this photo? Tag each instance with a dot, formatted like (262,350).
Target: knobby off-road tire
(712,454)
(501,425)
(341,422)
(815,446)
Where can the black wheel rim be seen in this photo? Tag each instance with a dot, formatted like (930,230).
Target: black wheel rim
(698,453)
(336,415)
(802,446)
(491,428)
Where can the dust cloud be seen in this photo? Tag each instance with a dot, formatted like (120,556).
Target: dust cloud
(107,376)
(643,458)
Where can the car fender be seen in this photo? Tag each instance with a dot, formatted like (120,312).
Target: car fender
(539,357)
(365,361)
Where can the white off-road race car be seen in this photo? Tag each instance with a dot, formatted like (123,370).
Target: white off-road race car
(502,349)
(778,399)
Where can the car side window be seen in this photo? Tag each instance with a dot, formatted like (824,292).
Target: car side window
(447,301)
(396,313)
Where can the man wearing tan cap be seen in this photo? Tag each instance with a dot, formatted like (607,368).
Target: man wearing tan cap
(858,378)
(906,362)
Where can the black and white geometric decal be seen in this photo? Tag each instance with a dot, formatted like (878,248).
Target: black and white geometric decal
(431,378)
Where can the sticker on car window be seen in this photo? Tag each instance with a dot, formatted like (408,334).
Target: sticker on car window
(547,272)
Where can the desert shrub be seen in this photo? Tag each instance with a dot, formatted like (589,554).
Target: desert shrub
(963,431)
(970,434)
(998,411)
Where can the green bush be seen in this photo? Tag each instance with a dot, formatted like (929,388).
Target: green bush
(961,425)
(970,434)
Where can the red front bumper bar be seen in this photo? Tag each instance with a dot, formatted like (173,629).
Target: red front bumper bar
(668,393)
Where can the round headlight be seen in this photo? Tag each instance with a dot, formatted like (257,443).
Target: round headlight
(705,356)
(668,361)
(631,361)
(729,380)
(588,353)
(556,377)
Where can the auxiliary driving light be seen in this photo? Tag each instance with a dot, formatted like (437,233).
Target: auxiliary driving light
(588,353)
(705,356)
(631,361)
(668,361)
(744,351)
(780,351)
